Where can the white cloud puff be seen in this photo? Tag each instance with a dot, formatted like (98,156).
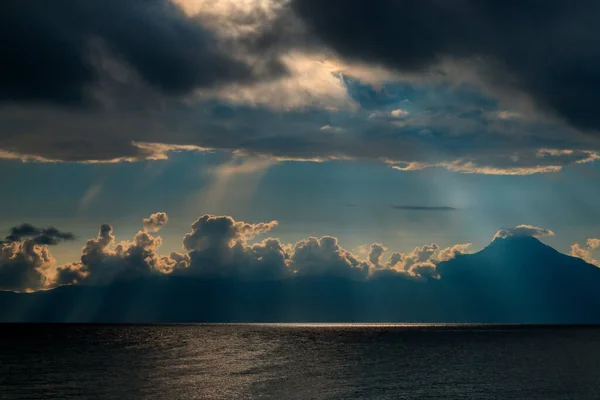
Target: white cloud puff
(155,222)
(523,231)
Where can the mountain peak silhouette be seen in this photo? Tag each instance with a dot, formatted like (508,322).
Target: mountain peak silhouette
(518,257)
(522,251)
(521,278)
(518,244)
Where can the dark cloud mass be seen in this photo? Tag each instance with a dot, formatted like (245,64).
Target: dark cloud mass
(280,80)
(546,49)
(55,51)
(43,236)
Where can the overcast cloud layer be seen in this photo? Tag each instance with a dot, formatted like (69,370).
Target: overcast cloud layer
(492,88)
(544,49)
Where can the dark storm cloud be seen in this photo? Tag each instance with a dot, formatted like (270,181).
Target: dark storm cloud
(546,49)
(127,55)
(55,51)
(42,236)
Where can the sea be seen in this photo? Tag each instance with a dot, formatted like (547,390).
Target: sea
(299,361)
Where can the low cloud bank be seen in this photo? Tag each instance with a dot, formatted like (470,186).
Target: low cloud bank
(220,246)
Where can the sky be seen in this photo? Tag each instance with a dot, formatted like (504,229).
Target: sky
(399,123)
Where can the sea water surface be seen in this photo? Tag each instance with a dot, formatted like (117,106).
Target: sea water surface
(299,362)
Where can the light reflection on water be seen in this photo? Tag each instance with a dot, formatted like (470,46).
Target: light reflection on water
(304,361)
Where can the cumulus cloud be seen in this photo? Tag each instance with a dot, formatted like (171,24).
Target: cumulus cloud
(376,253)
(421,263)
(103,260)
(155,222)
(218,246)
(585,252)
(418,263)
(221,247)
(325,257)
(451,252)
(217,231)
(26,263)
(25,266)
(523,231)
